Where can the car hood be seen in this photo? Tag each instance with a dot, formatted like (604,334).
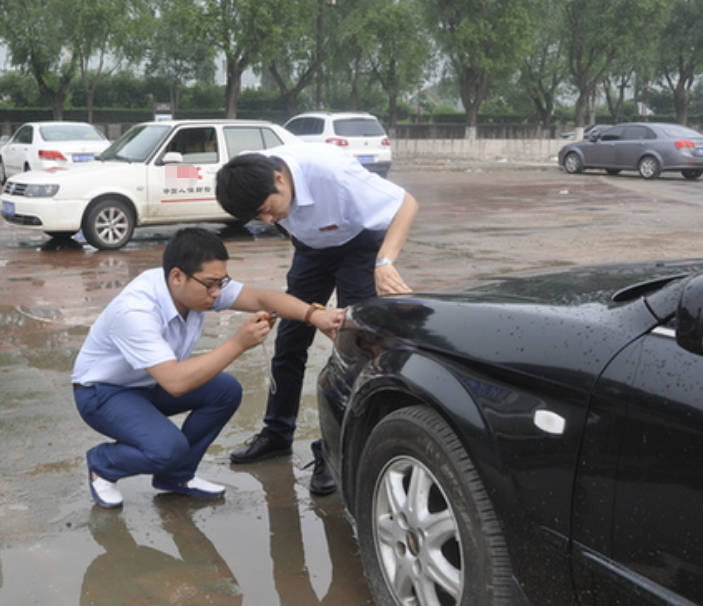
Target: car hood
(563,325)
(94,171)
(606,285)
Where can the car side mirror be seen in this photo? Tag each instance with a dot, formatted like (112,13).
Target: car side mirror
(689,316)
(172,158)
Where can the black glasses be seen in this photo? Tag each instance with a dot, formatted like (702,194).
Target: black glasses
(214,286)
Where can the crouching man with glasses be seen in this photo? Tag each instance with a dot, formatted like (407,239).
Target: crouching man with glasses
(135,368)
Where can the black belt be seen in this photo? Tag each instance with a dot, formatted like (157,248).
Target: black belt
(78,386)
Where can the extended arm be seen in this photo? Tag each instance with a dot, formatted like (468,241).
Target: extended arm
(182,377)
(388,280)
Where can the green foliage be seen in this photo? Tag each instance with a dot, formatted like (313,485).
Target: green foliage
(444,109)
(481,39)
(18,90)
(500,57)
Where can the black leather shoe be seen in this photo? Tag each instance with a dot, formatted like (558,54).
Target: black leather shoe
(259,448)
(322,482)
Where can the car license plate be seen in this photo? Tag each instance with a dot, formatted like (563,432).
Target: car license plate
(8,208)
(83,157)
(366,159)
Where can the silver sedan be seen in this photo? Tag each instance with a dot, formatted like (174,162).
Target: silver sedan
(649,148)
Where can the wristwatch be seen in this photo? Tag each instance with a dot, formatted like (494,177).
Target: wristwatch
(383,261)
(311,310)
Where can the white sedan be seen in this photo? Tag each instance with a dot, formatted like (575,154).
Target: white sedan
(157,173)
(39,145)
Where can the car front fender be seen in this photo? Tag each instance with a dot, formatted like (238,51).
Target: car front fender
(396,380)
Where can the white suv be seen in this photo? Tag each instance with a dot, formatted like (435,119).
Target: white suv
(359,133)
(156,173)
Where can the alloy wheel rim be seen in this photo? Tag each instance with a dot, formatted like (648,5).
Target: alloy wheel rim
(417,536)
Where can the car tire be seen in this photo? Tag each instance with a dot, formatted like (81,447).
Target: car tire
(691,174)
(108,224)
(649,167)
(413,464)
(573,163)
(3,173)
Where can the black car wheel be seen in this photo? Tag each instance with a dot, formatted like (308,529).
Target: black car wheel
(3,174)
(427,532)
(573,163)
(108,224)
(649,167)
(692,174)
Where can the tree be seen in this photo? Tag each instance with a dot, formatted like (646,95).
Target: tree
(481,38)
(247,32)
(105,33)
(346,58)
(399,51)
(293,68)
(543,70)
(600,33)
(39,38)
(179,50)
(681,52)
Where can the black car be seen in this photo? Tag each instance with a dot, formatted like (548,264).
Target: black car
(527,441)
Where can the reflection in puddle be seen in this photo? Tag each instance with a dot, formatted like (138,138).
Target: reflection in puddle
(129,573)
(44,341)
(268,542)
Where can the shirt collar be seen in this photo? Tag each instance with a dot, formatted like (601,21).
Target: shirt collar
(163,294)
(303,197)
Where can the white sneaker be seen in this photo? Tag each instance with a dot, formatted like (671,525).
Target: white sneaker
(104,493)
(196,487)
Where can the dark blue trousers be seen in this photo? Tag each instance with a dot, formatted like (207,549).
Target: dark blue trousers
(313,276)
(146,441)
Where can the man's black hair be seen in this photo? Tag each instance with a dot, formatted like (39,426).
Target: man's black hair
(190,247)
(244,183)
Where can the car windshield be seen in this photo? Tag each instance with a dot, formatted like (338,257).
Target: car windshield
(70,132)
(358,127)
(137,144)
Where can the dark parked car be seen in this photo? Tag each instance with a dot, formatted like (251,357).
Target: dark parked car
(650,148)
(527,441)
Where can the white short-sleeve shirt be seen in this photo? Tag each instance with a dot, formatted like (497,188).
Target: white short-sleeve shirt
(141,328)
(336,198)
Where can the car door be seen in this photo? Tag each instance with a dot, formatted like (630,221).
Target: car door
(16,151)
(601,153)
(631,145)
(243,138)
(638,500)
(184,190)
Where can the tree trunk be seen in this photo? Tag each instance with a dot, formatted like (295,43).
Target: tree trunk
(234,70)
(90,102)
(681,102)
(56,98)
(472,89)
(392,110)
(290,95)
(581,108)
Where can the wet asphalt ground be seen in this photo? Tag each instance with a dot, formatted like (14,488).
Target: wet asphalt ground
(268,542)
